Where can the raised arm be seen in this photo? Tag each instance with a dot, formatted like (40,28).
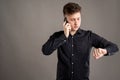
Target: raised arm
(102,46)
(55,41)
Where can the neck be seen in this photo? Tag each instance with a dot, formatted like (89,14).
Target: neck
(72,32)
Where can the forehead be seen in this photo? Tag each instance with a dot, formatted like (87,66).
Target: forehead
(75,15)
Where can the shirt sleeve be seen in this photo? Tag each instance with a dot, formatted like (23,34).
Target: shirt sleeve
(100,42)
(55,41)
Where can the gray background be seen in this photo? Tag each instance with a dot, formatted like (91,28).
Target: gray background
(25,25)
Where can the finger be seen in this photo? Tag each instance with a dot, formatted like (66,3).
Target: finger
(69,26)
(94,53)
(99,50)
(64,23)
(97,53)
(100,56)
(66,26)
(104,51)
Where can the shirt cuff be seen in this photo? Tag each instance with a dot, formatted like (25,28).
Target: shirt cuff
(108,52)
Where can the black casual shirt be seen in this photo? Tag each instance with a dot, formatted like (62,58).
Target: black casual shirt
(74,52)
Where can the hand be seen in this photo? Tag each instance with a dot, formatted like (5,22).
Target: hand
(99,52)
(67,28)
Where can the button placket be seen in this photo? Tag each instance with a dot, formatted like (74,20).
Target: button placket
(72,58)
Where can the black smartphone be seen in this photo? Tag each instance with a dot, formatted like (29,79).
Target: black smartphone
(65,19)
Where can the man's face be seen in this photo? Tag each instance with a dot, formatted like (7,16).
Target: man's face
(74,20)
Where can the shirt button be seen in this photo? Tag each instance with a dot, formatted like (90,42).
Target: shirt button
(72,45)
(64,40)
(72,72)
(72,54)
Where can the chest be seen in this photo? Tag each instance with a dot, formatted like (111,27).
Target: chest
(77,44)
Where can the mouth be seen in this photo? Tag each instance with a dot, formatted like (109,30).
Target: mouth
(75,26)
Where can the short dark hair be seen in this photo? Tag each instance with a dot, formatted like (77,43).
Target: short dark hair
(71,8)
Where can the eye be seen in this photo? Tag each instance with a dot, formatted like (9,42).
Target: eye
(78,18)
(72,19)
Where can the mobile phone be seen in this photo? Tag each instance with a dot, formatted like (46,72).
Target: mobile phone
(65,19)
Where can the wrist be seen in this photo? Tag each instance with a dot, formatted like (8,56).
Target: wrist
(105,51)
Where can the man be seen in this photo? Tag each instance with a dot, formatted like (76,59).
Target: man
(74,45)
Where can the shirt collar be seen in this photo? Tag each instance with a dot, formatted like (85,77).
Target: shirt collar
(79,31)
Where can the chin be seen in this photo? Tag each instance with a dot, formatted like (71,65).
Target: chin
(75,29)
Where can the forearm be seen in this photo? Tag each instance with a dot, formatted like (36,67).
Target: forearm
(52,44)
(111,49)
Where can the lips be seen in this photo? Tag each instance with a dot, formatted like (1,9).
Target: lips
(75,26)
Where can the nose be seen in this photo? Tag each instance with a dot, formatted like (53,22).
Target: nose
(76,22)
